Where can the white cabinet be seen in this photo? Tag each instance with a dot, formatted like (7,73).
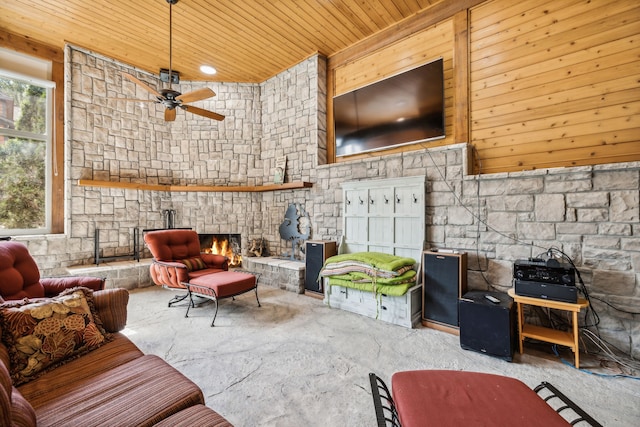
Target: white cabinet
(385,215)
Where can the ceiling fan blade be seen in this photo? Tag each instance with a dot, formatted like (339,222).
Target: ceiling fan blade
(196,95)
(203,113)
(143,85)
(170,114)
(133,100)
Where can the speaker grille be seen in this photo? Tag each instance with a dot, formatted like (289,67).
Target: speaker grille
(444,280)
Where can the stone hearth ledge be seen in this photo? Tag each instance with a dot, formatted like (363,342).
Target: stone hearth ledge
(119,274)
(277,272)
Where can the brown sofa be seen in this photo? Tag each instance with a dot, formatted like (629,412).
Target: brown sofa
(112,385)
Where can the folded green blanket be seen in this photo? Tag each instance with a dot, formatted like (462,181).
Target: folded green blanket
(358,277)
(363,261)
(375,289)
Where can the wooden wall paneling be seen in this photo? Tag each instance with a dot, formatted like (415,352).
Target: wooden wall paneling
(554,158)
(461,76)
(400,56)
(518,52)
(551,83)
(502,21)
(29,46)
(427,17)
(567,102)
(554,84)
(330,142)
(57,166)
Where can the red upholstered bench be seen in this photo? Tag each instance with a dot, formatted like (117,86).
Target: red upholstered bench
(457,398)
(225,284)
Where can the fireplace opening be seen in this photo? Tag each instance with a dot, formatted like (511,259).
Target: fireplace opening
(229,245)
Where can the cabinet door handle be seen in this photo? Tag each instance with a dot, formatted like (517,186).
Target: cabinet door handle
(386,200)
(370,200)
(361,201)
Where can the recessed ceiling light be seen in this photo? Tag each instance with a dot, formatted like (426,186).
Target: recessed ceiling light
(208,69)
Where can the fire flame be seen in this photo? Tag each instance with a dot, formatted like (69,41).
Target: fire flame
(222,247)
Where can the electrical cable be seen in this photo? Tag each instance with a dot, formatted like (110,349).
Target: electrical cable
(614,307)
(476,216)
(554,347)
(602,345)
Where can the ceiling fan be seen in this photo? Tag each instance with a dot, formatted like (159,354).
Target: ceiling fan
(170,98)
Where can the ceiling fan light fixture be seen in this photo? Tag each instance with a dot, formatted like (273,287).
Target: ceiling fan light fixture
(208,69)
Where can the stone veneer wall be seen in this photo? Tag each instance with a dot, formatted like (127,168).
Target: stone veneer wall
(121,141)
(591,213)
(113,140)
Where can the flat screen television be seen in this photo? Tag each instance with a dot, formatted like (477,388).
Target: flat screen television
(402,109)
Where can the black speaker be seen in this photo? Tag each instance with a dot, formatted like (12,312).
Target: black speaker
(444,281)
(316,253)
(488,326)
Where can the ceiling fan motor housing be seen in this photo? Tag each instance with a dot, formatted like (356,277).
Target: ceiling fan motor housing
(164,76)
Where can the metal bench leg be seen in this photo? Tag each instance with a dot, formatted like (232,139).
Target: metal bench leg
(191,304)
(216,312)
(176,299)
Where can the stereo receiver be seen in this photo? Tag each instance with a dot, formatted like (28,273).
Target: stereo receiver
(544,271)
(546,279)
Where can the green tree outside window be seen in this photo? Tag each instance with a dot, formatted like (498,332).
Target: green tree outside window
(23,108)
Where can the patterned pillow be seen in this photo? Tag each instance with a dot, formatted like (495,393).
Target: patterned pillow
(193,264)
(43,333)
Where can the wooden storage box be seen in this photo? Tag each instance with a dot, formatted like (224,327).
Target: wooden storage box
(405,310)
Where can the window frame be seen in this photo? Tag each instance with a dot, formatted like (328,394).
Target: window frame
(46,138)
(55,167)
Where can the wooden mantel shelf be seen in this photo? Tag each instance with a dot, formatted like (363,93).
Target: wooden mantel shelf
(202,188)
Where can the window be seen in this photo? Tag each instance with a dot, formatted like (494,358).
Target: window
(25,147)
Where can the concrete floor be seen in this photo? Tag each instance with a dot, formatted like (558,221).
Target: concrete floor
(297,362)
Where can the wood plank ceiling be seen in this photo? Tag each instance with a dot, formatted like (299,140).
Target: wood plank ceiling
(245,40)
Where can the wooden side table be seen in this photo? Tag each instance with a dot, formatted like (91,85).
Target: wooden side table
(566,338)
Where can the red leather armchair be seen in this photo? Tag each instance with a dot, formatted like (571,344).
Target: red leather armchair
(20,276)
(177,259)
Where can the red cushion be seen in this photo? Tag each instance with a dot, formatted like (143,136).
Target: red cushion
(225,283)
(174,244)
(19,274)
(456,398)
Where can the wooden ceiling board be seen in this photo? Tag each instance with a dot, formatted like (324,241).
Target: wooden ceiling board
(247,41)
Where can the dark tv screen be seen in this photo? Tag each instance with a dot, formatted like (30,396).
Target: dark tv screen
(399,110)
